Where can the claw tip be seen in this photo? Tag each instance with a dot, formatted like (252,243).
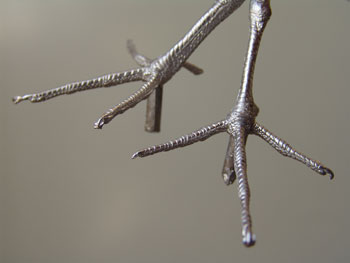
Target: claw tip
(229,176)
(16,99)
(328,171)
(135,155)
(331,174)
(227,179)
(249,240)
(99,124)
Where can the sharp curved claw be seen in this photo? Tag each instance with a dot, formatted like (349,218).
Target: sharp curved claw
(325,170)
(135,155)
(105,119)
(99,123)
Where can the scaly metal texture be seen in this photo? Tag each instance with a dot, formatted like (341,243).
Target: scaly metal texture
(239,123)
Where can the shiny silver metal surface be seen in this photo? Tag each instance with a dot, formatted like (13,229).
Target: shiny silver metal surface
(239,123)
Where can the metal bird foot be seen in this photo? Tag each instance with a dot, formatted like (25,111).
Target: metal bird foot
(239,123)
(153,72)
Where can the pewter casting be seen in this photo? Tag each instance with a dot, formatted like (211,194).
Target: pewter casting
(239,123)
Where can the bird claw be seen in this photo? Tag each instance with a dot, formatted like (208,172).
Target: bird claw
(100,122)
(243,114)
(249,239)
(325,171)
(135,155)
(229,176)
(18,99)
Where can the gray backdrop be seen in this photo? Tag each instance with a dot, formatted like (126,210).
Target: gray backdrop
(70,193)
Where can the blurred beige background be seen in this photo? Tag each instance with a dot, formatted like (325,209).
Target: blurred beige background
(70,193)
